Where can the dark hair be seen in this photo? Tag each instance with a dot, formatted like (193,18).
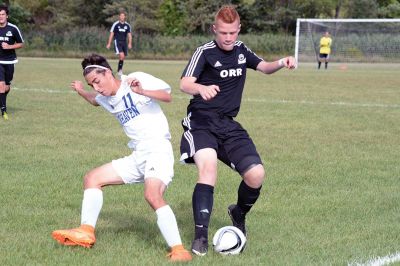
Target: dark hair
(94,59)
(4,7)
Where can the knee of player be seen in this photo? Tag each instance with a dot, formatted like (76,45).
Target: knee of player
(208,173)
(255,175)
(90,180)
(153,198)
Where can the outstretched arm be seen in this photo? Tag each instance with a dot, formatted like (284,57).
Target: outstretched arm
(89,96)
(160,95)
(189,86)
(271,67)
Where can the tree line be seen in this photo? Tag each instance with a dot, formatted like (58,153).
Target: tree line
(185,17)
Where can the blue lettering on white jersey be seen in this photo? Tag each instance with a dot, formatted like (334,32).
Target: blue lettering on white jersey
(128,114)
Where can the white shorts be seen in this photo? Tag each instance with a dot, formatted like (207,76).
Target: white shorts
(155,160)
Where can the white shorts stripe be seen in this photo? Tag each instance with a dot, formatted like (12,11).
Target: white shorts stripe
(116,47)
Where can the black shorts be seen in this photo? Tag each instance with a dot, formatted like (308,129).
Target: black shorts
(121,46)
(227,137)
(6,73)
(324,56)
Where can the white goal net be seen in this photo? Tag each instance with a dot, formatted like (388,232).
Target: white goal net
(353,40)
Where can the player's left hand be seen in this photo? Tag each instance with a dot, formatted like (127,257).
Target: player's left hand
(135,85)
(289,62)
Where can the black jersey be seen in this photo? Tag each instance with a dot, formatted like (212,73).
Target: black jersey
(120,30)
(226,69)
(11,35)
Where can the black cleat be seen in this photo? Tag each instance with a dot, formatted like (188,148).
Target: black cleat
(200,246)
(237,217)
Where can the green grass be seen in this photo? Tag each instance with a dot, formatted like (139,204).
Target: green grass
(329,140)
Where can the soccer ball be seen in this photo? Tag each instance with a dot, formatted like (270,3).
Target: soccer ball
(229,240)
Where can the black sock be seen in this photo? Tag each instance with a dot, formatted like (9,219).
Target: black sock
(120,64)
(319,65)
(202,204)
(247,196)
(326,65)
(3,104)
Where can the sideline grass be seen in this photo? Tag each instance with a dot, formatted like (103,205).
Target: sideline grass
(329,140)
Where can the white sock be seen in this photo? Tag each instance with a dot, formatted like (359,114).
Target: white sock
(91,206)
(169,228)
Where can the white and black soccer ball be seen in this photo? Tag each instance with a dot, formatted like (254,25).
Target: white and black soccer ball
(229,240)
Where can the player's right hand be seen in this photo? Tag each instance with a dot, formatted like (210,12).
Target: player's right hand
(77,85)
(208,92)
(108,46)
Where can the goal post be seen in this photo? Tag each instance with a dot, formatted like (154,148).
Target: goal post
(353,40)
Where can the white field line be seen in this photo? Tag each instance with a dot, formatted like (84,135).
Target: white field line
(350,104)
(379,261)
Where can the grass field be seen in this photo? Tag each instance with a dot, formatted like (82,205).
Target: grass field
(329,140)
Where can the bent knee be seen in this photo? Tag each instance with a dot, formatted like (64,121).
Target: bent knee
(254,176)
(154,199)
(90,180)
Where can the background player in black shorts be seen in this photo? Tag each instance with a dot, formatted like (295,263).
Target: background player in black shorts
(121,32)
(10,39)
(215,76)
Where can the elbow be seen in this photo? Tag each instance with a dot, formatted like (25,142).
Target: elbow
(182,86)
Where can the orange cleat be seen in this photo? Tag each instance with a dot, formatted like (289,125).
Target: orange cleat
(179,253)
(81,236)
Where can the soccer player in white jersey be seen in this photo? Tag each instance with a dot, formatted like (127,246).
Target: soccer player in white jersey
(133,101)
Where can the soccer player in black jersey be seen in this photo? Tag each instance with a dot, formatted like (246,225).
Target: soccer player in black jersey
(10,39)
(215,76)
(120,32)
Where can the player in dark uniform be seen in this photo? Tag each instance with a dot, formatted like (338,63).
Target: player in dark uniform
(10,39)
(215,76)
(121,32)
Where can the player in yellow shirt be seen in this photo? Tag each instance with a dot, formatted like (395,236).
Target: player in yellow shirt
(324,49)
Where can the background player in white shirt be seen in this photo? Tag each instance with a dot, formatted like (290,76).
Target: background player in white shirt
(132,101)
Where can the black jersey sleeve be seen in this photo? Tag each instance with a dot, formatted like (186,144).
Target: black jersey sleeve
(18,36)
(196,64)
(252,59)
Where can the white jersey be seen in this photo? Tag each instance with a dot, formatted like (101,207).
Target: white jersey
(140,116)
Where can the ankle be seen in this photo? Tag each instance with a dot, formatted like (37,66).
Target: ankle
(87,228)
(177,247)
